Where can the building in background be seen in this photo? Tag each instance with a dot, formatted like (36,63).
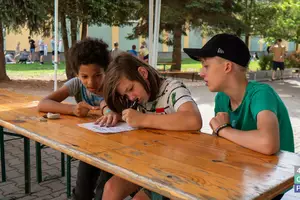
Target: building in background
(119,34)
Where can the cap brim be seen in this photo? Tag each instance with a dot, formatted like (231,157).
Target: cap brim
(197,54)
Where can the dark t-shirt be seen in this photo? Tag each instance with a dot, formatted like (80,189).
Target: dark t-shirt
(32,44)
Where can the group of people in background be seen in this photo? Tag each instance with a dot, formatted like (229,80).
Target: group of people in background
(143,54)
(30,56)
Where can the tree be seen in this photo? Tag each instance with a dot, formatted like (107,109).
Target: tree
(180,15)
(285,22)
(16,14)
(90,12)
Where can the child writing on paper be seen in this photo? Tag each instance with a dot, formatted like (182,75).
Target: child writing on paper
(162,104)
(89,58)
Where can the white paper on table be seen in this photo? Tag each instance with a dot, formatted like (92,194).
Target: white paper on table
(120,127)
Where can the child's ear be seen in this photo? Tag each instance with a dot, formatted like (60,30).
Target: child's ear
(143,72)
(228,67)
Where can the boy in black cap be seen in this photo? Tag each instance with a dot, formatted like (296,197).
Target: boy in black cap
(250,114)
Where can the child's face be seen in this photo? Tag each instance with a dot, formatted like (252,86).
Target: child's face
(92,77)
(213,73)
(132,90)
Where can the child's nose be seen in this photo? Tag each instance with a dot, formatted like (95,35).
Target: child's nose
(202,73)
(132,97)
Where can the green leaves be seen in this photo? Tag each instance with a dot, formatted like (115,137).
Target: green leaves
(16,14)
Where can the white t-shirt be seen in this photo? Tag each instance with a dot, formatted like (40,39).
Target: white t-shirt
(172,95)
(41,45)
(60,44)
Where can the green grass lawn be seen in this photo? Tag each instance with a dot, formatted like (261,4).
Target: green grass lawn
(192,65)
(35,69)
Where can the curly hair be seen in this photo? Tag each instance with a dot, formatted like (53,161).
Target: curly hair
(89,51)
(126,65)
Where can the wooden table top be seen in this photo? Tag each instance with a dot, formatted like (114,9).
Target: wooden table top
(179,165)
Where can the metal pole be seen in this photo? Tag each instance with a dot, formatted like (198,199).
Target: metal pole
(150,33)
(56,42)
(156,32)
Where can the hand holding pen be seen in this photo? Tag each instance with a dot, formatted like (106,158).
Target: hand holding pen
(132,117)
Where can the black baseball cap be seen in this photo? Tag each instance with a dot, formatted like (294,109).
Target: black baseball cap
(227,46)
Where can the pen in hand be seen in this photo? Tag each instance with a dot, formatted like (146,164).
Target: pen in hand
(134,104)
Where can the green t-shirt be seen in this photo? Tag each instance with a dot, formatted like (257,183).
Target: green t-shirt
(258,97)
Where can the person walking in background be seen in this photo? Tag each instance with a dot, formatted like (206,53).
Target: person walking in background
(278,51)
(41,47)
(144,52)
(59,47)
(133,51)
(17,52)
(31,48)
(116,51)
(53,48)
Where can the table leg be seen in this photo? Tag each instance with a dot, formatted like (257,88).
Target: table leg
(69,176)
(62,164)
(38,162)
(3,170)
(155,196)
(27,165)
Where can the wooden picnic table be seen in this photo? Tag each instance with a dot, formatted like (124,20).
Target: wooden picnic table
(178,165)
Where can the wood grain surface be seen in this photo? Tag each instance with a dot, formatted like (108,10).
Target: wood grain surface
(179,165)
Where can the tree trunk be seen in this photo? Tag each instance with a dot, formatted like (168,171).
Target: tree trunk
(239,32)
(297,45)
(73,30)
(69,71)
(84,29)
(176,54)
(247,37)
(3,75)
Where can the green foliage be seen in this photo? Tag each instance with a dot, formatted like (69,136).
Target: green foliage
(293,60)
(187,14)
(283,21)
(17,14)
(265,62)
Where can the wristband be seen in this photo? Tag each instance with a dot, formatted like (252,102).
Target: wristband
(107,111)
(102,109)
(221,127)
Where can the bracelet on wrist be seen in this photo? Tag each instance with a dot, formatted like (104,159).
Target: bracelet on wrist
(221,127)
(102,109)
(107,111)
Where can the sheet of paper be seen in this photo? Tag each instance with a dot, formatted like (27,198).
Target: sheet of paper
(120,127)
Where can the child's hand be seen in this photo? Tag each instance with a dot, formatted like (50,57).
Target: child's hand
(109,119)
(83,108)
(220,119)
(132,117)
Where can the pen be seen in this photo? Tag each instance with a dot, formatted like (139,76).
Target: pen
(134,104)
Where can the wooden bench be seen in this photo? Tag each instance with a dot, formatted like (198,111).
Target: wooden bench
(178,73)
(179,165)
(166,63)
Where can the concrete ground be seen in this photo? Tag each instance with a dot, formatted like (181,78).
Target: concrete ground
(54,187)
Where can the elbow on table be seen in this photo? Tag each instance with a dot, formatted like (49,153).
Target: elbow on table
(270,148)
(40,106)
(195,124)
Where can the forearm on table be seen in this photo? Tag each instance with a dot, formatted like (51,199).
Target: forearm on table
(255,140)
(175,121)
(55,107)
